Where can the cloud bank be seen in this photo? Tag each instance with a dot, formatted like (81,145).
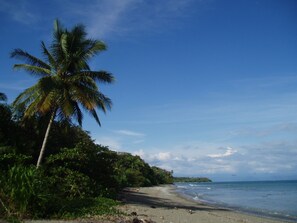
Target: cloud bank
(266,159)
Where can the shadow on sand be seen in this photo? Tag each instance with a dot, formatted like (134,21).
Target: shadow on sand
(129,196)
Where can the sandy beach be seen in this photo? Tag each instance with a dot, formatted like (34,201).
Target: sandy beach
(162,204)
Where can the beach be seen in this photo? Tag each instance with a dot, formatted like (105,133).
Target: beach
(162,204)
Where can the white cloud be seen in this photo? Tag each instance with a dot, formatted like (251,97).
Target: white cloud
(139,153)
(163,156)
(228,152)
(105,18)
(112,143)
(154,157)
(129,133)
(250,160)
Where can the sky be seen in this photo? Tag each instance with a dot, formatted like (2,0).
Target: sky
(203,87)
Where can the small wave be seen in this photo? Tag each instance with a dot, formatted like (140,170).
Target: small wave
(196,198)
(208,188)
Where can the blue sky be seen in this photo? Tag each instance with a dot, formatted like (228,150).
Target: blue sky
(204,87)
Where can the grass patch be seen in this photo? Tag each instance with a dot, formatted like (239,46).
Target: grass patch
(87,207)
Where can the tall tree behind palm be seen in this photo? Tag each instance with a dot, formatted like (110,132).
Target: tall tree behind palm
(2,97)
(66,84)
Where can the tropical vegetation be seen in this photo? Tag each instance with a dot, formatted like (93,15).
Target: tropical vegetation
(77,177)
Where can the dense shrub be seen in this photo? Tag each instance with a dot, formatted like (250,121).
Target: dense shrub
(68,183)
(162,176)
(23,192)
(9,159)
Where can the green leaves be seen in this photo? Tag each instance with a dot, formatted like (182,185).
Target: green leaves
(101,76)
(22,189)
(33,64)
(2,97)
(66,82)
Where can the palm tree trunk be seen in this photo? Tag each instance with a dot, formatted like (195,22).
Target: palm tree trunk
(45,139)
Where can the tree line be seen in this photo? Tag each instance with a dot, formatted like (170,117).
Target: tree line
(74,167)
(191,179)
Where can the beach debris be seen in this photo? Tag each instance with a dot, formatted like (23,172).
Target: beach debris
(190,211)
(153,206)
(136,220)
(133,213)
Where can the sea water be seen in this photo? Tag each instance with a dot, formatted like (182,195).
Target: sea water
(276,199)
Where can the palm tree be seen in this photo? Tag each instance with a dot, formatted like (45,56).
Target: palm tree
(66,83)
(2,97)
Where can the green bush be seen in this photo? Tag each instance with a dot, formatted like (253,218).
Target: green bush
(162,176)
(67,183)
(9,159)
(89,168)
(23,191)
(74,208)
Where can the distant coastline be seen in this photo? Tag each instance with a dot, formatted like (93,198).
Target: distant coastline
(191,179)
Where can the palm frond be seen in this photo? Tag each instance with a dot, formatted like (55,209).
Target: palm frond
(81,81)
(49,84)
(34,107)
(78,114)
(78,32)
(101,76)
(64,45)
(104,102)
(48,55)
(67,104)
(28,58)
(58,30)
(94,114)
(91,48)
(55,47)
(26,96)
(34,70)
(48,103)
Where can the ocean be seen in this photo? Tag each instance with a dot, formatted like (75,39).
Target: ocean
(277,199)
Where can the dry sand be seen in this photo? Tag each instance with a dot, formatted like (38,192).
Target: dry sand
(162,205)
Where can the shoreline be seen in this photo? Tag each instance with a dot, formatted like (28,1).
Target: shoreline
(164,204)
(237,209)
